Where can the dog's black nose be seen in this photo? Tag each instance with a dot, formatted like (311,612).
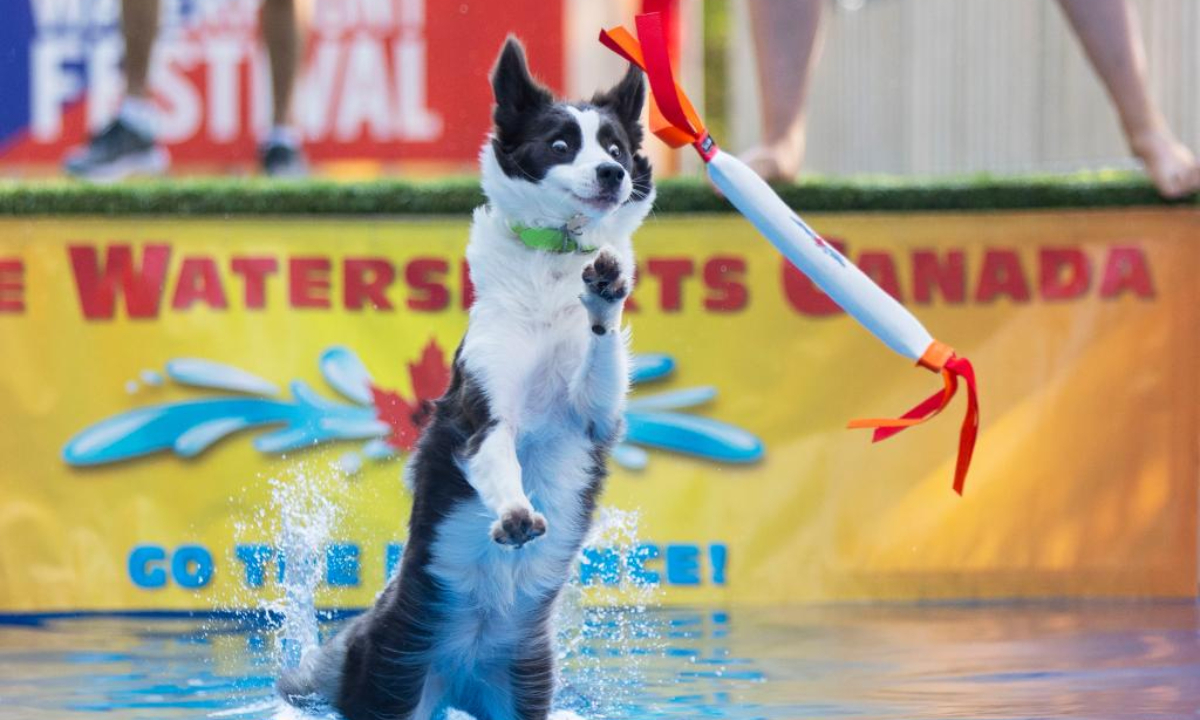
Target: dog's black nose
(610,175)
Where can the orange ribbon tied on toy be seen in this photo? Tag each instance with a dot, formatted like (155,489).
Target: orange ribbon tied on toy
(673,118)
(939,358)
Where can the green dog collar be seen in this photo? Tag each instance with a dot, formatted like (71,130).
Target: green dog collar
(553,240)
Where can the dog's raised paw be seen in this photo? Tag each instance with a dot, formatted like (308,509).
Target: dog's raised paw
(602,277)
(518,526)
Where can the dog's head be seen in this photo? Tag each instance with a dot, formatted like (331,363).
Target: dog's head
(549,162)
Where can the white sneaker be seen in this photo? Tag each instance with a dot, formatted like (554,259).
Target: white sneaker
(115,153)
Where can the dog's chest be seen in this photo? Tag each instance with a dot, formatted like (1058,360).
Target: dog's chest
(528,336)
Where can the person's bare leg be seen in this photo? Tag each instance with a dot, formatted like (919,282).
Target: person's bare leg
(1110,33)
(281,35)
(139,26)
(281,24)
(787,36)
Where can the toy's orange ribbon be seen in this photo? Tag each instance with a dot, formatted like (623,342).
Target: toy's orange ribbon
(673,118)
(938,358)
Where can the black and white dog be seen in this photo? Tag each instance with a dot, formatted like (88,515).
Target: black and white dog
(507,473)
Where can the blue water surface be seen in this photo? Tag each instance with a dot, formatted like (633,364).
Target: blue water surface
(1093,661)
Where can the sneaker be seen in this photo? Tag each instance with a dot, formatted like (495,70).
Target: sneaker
(117,152)
(282,160)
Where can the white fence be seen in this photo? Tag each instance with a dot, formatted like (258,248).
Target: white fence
(932,87)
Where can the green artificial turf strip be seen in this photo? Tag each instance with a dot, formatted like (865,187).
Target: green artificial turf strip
(457,196)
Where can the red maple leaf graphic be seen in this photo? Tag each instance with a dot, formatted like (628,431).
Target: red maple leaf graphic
(430,375)
(393,409)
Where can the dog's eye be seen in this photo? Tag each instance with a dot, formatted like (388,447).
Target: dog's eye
(615,151)
(559,146)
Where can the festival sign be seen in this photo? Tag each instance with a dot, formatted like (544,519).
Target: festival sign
(173,390)
(385,80)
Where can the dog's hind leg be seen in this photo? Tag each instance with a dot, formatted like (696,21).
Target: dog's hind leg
(532,678)
(516,688)
(432,695)
(314,683)
(386,668)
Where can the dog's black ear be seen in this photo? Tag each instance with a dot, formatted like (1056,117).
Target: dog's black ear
(517,93)
(626,99)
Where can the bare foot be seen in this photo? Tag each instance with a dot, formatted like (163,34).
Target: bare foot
(774,163)
(1171,166)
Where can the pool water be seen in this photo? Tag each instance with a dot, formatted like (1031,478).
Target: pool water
(1090,661)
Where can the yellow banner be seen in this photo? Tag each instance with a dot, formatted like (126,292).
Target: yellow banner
(163,378)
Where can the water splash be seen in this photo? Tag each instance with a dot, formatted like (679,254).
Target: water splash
(297,526)
(274,708)
(606,634)
(288,538)
(306,521)
(453,714)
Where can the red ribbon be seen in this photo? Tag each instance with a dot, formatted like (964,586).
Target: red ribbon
(673,118)
(670,20)
(660,74)
(955,367)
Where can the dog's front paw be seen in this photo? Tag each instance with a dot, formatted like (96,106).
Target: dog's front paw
(605,287)
(518,526)
(603,279)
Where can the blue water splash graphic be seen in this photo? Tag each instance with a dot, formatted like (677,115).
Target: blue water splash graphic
(188,428)
(218,376)
(651,423)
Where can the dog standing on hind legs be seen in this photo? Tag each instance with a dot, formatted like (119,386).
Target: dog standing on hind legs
(506,475)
